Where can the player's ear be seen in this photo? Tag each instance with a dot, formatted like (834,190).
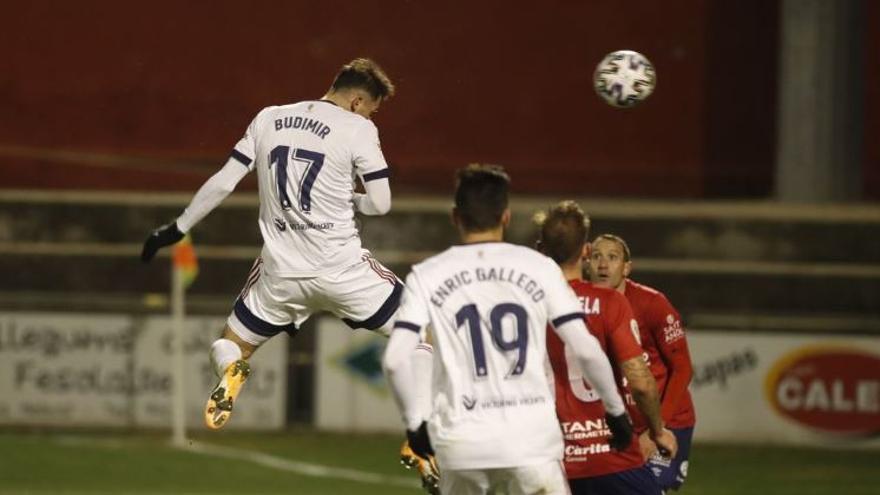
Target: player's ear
(585,251)
(627,268)
(356,101)
(505,218)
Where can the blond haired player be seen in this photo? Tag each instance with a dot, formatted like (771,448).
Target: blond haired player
(306,156)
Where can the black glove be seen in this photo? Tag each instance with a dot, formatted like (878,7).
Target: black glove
(621,431)
(419,441)
(165,235)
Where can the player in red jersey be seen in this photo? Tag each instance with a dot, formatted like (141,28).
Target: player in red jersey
(666,349)
(591,466)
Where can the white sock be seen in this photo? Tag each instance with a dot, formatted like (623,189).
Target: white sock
(223,353)
(423,369)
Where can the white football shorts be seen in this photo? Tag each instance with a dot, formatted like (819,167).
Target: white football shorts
(363,295)
(546,479)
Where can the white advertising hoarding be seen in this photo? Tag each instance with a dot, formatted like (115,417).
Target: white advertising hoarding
(799,389)
(74,369)
(779,388)
(350,389)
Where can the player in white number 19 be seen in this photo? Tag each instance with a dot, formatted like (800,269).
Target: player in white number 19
(492,422)
(307,156)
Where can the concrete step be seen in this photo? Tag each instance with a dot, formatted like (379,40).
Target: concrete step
(698,231)
(689,290)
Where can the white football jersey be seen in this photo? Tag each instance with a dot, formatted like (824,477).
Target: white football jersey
(488,305)
(307,155)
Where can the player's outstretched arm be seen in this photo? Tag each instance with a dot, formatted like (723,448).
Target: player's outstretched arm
(165,235)
(211,194)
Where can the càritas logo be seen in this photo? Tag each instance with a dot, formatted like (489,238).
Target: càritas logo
(830,388)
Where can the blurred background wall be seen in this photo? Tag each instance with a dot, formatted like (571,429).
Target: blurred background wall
(110,95)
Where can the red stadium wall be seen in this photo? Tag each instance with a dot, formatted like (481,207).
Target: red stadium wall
(174,84)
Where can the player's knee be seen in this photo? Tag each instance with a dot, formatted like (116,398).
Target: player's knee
(247,349)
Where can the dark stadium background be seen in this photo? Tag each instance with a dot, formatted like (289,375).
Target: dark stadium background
(174,84)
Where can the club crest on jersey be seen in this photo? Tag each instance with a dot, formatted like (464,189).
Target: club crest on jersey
(280,224)
(673,330)
(468,402)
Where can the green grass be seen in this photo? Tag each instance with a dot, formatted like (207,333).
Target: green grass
(738,470)
(145,464)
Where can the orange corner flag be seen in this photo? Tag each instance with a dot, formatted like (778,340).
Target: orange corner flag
(184,259)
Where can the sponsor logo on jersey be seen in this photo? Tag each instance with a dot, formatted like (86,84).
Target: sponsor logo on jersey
(282,225)
(828,388)
(471,403)
(585,450)
(582,430)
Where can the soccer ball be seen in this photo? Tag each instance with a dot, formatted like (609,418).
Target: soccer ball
(624,78)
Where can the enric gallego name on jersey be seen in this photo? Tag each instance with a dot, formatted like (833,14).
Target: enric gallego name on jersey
(481,275)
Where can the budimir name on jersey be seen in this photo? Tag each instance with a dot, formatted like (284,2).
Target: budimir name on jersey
(316,127)
(500,274)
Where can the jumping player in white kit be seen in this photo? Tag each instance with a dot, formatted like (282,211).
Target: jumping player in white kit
(492,423)
(307,156)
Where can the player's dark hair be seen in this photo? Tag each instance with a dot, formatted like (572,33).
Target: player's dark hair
(365,74)
(481,196)
(619,240)
(564,230)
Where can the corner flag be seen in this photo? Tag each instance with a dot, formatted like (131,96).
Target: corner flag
(184,260)
(184,267)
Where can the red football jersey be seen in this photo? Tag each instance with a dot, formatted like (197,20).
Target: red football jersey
(578,407)
(663,338)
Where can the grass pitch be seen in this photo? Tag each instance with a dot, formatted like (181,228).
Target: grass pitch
(304,462)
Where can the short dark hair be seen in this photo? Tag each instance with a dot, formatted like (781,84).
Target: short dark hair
(363,73)
(619,240)
(481,196)
(565,229)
